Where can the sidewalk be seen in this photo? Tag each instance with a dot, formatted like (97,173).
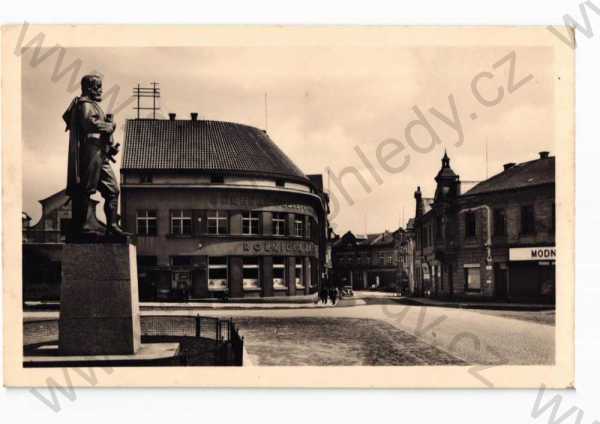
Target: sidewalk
(466,304)
(148,308)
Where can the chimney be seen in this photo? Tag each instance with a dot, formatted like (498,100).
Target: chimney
(419,203)
(544,155)
(508,165)
(194,116)
(172,116)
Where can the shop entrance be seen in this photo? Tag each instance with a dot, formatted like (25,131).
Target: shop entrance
(501,281)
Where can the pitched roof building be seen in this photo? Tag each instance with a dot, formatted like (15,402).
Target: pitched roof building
(495,240)
(220,210)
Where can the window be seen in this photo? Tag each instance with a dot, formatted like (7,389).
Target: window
(217,179)
(279,224)
(299,273)
(309,274)
(299,226)
(181,222)
(279,273)
(146,178)
(553,218)
(280,183)
(217,222)
(438,228)
(181,260)
(143,260)
(250,223)
(470,225)
(64,223)
(389,259)
(251,274)
(527,220)
(309,227)
(146,223)
(499,222)
(472,279)
(217,273)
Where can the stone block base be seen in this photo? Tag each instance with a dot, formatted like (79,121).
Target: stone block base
(99,311)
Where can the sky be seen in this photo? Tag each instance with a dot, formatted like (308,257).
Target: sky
(337,111)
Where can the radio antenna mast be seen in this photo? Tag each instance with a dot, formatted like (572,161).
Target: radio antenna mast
(141,92)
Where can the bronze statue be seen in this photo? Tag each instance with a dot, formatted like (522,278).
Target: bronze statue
(91,148)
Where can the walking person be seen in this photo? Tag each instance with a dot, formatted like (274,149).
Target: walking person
(323,295)
(333,294)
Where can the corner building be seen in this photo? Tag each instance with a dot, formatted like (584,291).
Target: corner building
(494,241)
(219,210)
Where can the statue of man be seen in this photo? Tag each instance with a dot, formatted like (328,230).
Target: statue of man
(91,147)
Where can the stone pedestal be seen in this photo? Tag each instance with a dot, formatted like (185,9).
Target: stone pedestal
(99,311)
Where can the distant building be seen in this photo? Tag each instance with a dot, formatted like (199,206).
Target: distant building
(497,240)
(219,210)
(371,261)
(42,248)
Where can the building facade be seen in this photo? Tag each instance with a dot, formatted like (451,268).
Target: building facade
(496,240)
(366,262)
(219,210)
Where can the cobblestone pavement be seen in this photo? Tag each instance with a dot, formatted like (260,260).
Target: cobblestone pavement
(335,341)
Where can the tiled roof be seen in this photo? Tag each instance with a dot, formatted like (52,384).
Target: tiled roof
(526,174)
(214,146)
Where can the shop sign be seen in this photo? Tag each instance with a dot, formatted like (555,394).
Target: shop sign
(532,253)
(280,247)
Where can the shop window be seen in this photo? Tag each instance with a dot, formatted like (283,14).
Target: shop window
(279,224)
(251,274)
(309,273)
(181,222)
(499,222)
(279,273)
(217,273)
(527,220)
(470,225)
(217,222)
(146,222)
(472,279)
(299,275)
(299,226)
(250,223)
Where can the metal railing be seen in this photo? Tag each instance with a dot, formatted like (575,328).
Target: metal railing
(204,340)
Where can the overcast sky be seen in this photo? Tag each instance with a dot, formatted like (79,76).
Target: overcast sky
(323,103)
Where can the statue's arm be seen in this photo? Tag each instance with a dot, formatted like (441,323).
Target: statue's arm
(91,121)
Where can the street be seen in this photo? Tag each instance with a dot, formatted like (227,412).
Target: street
(473,336)
(377,329)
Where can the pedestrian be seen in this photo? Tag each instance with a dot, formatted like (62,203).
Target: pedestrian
(333,295)
(323,295)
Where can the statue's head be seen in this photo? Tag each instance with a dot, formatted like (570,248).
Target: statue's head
(91,86)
